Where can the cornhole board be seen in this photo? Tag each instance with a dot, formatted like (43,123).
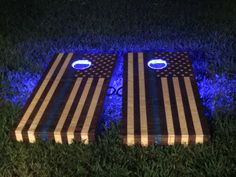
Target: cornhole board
(66,104)
(161,106)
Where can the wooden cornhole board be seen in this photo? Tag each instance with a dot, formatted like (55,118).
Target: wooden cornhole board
(66,103)
(161,106)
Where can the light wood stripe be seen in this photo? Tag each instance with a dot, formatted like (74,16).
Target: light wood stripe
(194,111)
(142,101)
(130,101)
(90,114)
(62,119)
(76,116)
(47,99)
(18,131)
(168,112)
(181,114)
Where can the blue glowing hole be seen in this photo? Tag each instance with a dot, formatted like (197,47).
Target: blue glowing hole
(81,64)
(157,63)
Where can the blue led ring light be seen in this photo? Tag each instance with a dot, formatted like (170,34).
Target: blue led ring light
(157,63)
(81,64)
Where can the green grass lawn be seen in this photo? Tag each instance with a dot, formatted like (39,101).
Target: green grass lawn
(32,31)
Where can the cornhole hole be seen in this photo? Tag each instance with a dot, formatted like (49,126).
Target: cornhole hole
(67,102)
(161,103)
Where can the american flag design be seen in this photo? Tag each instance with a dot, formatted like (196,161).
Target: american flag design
(66,104)
(161,106)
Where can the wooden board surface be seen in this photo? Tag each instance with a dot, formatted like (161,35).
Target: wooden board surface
(161,106)
(66,104)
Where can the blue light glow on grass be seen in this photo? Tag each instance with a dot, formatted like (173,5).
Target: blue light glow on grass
(112,106)
(157,63)
(217,90)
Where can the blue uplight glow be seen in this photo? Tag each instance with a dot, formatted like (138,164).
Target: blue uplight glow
(157,63)
(81,64)
(112,106)
(216,92)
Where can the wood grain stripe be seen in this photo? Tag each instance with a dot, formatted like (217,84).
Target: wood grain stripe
(168,112)
(99,108)
(18,131)
(130,102)
(181,114)
(62,119)
(90,114)
(142,101)
(39,114)
(77,113)
(187,111)
(174,111)
(194,111)
(162,134)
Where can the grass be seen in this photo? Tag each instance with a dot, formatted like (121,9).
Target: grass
(31,32)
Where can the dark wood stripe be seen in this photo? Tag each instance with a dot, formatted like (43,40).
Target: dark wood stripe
(174,111)
(123,129)
(150,127)
(29,100)
(187,111)
(137,130)
(39,103)
(86,106)
(199,107)
(161,109)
